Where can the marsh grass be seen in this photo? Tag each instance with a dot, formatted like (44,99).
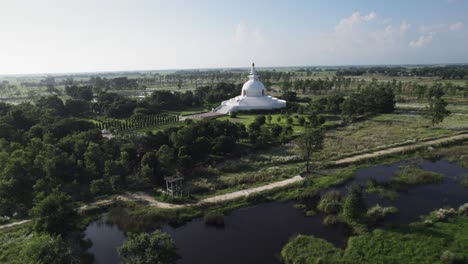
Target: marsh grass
(415,176)
(457,154)
(383,190)
(413,244)
(214,218)
(330,202)
(331,220)
(377,213)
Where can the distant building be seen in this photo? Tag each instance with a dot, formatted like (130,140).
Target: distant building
(252,97)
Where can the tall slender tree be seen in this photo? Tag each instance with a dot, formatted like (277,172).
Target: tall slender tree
(310,142)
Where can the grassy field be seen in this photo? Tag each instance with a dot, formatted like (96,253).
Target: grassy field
(458,106)
(384,130)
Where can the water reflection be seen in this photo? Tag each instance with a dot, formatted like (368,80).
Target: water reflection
(257,234)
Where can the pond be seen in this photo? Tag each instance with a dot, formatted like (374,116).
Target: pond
(257,234)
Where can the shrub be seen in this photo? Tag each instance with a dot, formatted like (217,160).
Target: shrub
(42,248)
(98,187)
(443,214)
(330,220)
(378,212)
(310,213)
(414,176)
(353,205)
(330,202)
(382,192)
(463,209)
(309,249)
(448,257)
(300,206)
(214,218)
(156,247)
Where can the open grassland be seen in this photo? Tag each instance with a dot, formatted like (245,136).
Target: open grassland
(459,106)
(386,129)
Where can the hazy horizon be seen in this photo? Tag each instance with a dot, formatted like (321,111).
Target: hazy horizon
(52,36)
(226,68)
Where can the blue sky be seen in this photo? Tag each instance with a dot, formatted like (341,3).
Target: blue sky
(40,36)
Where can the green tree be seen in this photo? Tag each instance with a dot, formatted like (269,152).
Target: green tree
(260,120)
(45,249)
(166,156)
(55,214)
(311,141)
(354,207)
(437,110)
(349,109)
(301,120)
(145,248)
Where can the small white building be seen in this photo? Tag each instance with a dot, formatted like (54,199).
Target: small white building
(252,97)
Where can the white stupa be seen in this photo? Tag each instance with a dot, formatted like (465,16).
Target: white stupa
(252,97)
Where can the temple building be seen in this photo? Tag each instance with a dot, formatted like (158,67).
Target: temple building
(252,97)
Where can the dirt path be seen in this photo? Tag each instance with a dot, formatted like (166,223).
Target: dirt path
(15,223)
(149,200)
(395,150)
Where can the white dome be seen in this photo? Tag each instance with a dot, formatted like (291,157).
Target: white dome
(253,87)
(252,98)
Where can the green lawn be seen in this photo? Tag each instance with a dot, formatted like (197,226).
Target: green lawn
(247,119)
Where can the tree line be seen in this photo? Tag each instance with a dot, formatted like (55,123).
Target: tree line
(444,72)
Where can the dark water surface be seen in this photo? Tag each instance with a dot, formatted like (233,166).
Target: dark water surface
(106,239)
(257,234)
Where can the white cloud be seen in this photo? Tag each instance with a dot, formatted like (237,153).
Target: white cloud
(404,26)
(391,33)
(354,20)
(422,41)
(243,35)
(456,26)
(239,33)
(425,29)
